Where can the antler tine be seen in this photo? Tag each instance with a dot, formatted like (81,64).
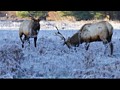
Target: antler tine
(56,28)
(30,15)
(62,37)
(43,17)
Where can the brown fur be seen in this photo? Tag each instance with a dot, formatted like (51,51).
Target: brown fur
(82,36)
(74,39)
(31,32)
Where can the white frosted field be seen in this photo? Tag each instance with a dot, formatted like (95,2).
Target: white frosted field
(50,59)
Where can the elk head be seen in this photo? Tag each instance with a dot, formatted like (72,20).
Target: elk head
(35,24)
(66,42)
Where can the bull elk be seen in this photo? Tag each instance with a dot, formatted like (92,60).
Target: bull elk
(91,32)
(30,29)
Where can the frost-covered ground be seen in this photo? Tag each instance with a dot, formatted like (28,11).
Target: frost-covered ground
(53,60)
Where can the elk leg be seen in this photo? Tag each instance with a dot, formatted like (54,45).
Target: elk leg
(105,48)
(28,40)
(35,39)
(25,38)
(22,40)
(105,42)
(111,48)
(87,45)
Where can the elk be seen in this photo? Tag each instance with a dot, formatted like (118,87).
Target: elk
(90,32)
(30,29)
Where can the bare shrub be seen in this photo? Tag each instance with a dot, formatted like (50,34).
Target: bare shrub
(89,60)
(11,58)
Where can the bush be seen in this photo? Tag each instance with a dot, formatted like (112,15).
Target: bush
(22,14)
(11,59)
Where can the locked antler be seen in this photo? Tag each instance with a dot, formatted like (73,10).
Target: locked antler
(59,34)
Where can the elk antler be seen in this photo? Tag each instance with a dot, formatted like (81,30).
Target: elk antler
(30,15)
(43,17)
(59,34)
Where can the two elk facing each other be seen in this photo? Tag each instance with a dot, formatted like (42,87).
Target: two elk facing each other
(91,32)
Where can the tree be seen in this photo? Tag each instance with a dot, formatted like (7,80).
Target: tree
(33,13)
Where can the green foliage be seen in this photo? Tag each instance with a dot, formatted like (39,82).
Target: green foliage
(79,15)
(88,15)
(83,15)
(98,15)
(33,13)
(22,14)
(38,13)
(65,13)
